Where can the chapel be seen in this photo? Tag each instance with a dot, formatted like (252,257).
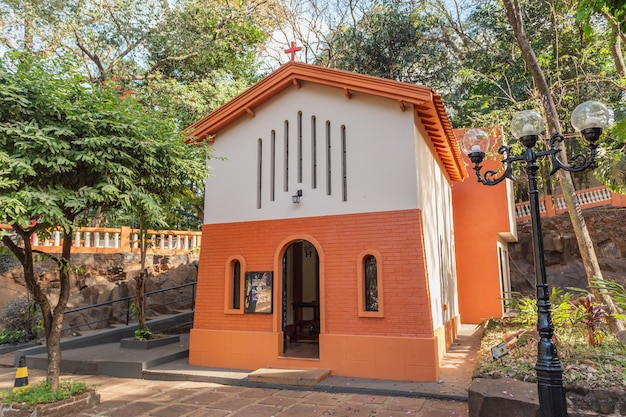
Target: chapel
(342,230)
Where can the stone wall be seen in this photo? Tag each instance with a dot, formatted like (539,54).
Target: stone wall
(512,398)
(564,267)
(99,278)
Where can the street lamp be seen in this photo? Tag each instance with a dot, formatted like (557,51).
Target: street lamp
(590,118)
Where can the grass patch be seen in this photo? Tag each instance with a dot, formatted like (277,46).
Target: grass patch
(41,393)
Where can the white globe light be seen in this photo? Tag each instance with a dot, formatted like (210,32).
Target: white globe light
(475,140)
(526,123)
(590,114)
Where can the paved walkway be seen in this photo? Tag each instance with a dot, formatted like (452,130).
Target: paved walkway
(197,392)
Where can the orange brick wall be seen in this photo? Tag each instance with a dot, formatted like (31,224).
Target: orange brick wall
(396,235)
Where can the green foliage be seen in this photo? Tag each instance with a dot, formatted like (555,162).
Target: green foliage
(588,8)
(569,314)
(612,162)
(215,35)
(615,290)
(181,56)
(600,366)
(143,333)
(21,321)
(594,317)
(42,393)
(393,40)
(75,147)
(10,337)
(526,309)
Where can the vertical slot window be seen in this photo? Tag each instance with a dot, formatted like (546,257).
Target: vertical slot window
(299,150)
(273,166)
(286,157)
(236,285)
(259,173)
(344,168)
(313,152)
(328,160)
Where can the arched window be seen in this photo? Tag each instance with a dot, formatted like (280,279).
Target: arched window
(236,277)
(233,284)
(370,285)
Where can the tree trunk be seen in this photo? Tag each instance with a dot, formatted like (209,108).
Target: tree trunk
(585,244)
(140,299)
(53,336)
(616,45)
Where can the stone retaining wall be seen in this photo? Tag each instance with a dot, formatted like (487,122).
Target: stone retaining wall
(508,397)
(564,267)
(106,277)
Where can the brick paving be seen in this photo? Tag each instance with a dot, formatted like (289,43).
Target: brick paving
(123,397)
(335,396)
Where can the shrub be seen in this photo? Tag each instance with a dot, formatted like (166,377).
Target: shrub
(42,393)
(143,333)
(9,337)
(593,316)
(21,320)
(617,292)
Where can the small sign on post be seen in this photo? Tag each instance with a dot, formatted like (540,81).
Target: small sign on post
(499,351)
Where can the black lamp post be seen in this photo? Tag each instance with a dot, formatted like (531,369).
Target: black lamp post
(590,118)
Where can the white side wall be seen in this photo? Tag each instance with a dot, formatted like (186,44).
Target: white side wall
(435,193)
(380,158)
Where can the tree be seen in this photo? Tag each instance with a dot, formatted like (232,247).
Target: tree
(397,41)
(612,167)
(491,79)
(187,56)
(74,146)
(614,11)
(585,244)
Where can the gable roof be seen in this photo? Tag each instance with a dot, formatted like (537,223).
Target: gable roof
(428,106)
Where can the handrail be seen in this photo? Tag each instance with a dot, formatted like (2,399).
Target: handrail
(127,311)
(551,205)
(117,240)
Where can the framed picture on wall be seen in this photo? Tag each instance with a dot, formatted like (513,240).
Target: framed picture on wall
(259,290)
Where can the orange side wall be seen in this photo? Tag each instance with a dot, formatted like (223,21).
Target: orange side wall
(480,213)
(401,345)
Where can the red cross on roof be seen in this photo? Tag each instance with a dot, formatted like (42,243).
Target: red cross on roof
(292,50)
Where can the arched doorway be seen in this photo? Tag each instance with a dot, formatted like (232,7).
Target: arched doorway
(301,300)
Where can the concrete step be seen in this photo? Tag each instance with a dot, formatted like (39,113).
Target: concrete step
(283,376)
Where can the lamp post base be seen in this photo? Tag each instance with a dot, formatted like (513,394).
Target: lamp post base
(551,392)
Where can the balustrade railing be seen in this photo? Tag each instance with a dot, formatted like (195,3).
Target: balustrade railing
(591,197)
(117,240)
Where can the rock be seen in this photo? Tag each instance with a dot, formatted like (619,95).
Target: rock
(503,398)
(100,278)
(10,288)
(564,268)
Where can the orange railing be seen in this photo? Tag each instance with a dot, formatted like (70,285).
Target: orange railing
(117,240)
(555,204)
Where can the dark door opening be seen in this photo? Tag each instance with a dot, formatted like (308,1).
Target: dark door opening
(301,301)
